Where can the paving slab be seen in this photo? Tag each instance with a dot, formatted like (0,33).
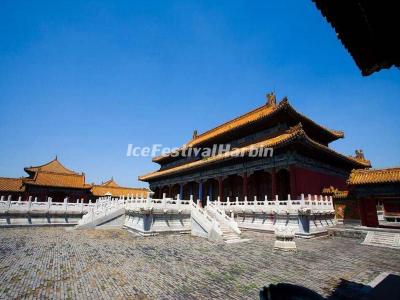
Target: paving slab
(54,263)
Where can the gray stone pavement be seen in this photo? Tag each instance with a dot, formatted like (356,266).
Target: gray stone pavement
(54,263)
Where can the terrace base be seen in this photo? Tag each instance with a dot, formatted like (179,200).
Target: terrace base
(157,223)
(13,220)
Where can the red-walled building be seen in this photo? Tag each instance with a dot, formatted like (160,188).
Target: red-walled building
(58,182)
(369,191)
(301,162)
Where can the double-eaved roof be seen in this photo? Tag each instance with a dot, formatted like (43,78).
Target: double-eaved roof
(296,133)
(263,113)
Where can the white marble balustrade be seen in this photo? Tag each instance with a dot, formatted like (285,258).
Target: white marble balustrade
(311,205)
(33,206)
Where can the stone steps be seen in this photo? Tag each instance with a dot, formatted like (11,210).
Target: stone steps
(229,236)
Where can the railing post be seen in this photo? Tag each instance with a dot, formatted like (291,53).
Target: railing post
(29,203)
(302,201)
(19,199)
(48,204)
(81,205)
(8,203)
(178,202)
(289,203)
(208,200)
(2,198)
(237,201)
(65,205)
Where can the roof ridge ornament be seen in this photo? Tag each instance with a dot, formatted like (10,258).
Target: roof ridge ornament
(194,134)
(271,99)
(359,156)
(284,100)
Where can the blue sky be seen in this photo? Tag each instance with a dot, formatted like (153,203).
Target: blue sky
(82,79)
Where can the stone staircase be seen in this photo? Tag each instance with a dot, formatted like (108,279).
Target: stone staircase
(228,226)
(229,236)
(382,239)
(103,213)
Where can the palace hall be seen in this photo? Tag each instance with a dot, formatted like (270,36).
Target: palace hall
(58,182)
(302,160)
(372,198)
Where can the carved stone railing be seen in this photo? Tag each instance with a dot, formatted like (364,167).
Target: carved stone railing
(222,217)
(49,207)
(310,205)
(102,208)
(210,226)
(163,205)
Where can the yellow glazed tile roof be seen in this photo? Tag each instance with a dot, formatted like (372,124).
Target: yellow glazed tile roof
(288,136)
(391,175)
(11,184)
(250,117)
(58,180)
(110,187)
(53,166)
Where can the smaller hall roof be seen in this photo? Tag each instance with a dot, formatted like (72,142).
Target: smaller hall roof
(54,173)
(58,180)
(110,187)
(374,176)
(53,166)
(11,184)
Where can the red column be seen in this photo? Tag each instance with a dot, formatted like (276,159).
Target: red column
(220,188)
(245,189)
(273,182)
(369,215)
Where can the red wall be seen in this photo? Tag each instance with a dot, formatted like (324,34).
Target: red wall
(312,182)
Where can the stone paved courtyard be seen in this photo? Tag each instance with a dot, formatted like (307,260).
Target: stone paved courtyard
(53,263)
